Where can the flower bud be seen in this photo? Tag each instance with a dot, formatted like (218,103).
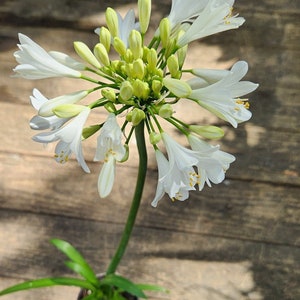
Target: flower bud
(173,66)
(86,54)
(152,60)
(112,21)
(126,91)
(154,138)
(110,107)
(178,87)
(144,7)
(126,155)
(119,46)
(88,131)
(141,89)
(105,38)
(164,31)
(138,115)
(135,44)
(209,132)
(128,57)
(68,110)
(138,69)
(109,94)
(166,111)
(156,87)
(181,52)
(101,54)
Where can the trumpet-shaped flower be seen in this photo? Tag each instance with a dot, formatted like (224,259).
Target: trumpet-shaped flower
(212,162)
(69,137)
(109,149)
(36,63)
(173,181)
(222,97)
(41,123)
(215,17)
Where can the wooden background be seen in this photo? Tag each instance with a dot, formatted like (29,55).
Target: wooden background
(238,240)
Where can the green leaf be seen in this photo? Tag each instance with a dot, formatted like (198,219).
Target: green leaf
(46,282)
(124,284)
(150,287)
(76,257)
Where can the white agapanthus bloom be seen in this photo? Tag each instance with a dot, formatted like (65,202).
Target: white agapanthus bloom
(36,63)
(109,149)
(125,26)
(41,123)
(173,181)
(67,60)
(69,138)
(212,162)
(214,18)
(223,97)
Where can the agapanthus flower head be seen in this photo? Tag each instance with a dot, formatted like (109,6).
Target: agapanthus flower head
(139,87)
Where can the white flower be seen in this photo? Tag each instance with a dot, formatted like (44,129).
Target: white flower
(212,163)
(184,11)
(67,60)
(173,181)
(69,137)
(36,63)
(125,26)
(42,123)
(109,149)
(222,97)
(215,17)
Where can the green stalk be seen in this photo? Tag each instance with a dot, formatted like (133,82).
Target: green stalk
(140,139)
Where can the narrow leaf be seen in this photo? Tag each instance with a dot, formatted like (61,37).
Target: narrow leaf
(150,287)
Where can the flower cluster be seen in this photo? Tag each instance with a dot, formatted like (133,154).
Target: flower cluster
(141,86)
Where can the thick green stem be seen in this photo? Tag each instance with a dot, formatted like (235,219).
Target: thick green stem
(140,139)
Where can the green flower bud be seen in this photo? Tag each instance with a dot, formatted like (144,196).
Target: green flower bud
(154,138)
(88,131)
(110,107)
(101,54)
(166,111)
(128,57)
(178,87)
(119,46)
(109,94)
(144,7)
(86,54)
(181,52)
(68,110)
(129,116)
(105,38)
(112,21)
(152,60)
(173,66)
(126,155)
(138,69)
(126,91)
(135,44)
(138,115)
(164,31)
(209,132)
(141,89)
(128,69)
(156,87)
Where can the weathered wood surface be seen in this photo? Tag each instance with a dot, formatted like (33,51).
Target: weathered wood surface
(238,240)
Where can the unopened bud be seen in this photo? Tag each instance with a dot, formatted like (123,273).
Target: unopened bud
(88,131)
(128,57)
(156,87)
(101,54)
(68,110)
(164,30)
(166,111)
(86,54)
(112,21)
(135,44)
(178,87)
(154,138)
(138,115)
(173,66)
(109,94)
(138,69)
(110,107)
(119,46)
(105,38)
(144,7)
(209,132)
(126,90)
(181,52)
(152,59)
(141,89)
(126,155)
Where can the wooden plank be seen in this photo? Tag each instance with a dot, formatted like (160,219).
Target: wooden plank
(237,209)
(203,265)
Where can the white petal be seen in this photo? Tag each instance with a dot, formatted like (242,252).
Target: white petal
(106,177)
